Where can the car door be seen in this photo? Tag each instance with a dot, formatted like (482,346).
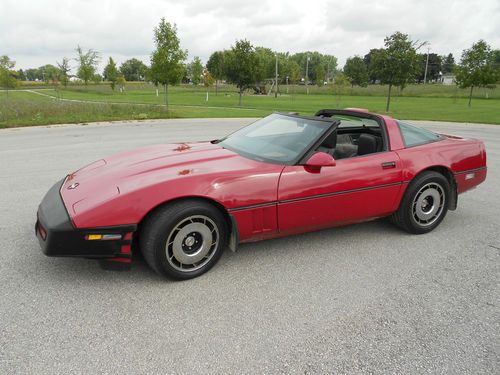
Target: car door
(354,190)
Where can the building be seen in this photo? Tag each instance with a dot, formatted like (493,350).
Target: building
(448,79)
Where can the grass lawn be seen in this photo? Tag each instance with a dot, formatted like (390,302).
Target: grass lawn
(139,101)
(29,109)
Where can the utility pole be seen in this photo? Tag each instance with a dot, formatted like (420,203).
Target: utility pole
(426,65)
(307,74)
(276,78)
(328,71)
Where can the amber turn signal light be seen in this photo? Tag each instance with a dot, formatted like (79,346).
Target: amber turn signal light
(103,237)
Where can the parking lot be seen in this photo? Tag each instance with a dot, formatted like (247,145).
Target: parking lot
(363,298)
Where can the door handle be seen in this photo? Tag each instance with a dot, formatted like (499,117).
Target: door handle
(389,164)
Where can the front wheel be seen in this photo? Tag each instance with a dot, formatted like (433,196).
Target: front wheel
(183,239)
(424,204)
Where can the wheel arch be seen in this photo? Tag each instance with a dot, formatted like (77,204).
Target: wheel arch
(233,234)
(446,172)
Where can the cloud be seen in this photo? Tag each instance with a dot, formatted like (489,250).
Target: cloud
(35,33)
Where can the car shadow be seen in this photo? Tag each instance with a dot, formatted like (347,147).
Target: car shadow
(67,270)
(311,241)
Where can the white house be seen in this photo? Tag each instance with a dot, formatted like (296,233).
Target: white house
(448,79)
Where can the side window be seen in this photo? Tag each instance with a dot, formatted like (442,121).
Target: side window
(354,136)
(414,136)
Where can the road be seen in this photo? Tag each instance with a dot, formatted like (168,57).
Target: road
(366,298)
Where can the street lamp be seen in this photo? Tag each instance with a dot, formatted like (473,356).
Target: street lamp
(307,74)
(426,65)
(276,78)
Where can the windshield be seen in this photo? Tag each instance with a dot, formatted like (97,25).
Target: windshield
(276,138)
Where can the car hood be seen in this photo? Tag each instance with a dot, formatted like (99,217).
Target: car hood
(121,167)
(143,168)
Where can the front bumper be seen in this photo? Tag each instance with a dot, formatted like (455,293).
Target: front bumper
(58,236)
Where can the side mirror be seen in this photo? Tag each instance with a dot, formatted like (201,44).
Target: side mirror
(319,160)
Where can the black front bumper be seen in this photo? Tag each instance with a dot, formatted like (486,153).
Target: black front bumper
(58,236)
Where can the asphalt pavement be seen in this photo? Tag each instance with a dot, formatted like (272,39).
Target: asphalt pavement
(366,298)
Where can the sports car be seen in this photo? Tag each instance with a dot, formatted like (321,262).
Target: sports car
(182,204)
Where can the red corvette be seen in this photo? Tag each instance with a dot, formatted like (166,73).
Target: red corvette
(182,204)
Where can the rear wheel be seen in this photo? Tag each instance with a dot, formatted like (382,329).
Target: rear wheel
(424,204)
(183,239)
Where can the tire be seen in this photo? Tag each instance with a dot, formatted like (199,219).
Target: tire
(424,204)
(183,240)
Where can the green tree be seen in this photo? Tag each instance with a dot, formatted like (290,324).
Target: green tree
(208,80)
(357,72)
(373,75)
(477,67)
(267,62)
(434,67)
(87,64)
(448,63)
(496,58)
(121,81)
(242,66)
(97,78)
(287,68)
(267,68)
(397,63)
(32,74)
(215,66)
(329,63)
(49,73)
(167,61)
(294,71)
(8,76)
(134,70)
(196,70)
(111,73)
(21,76)
(340,84)
(64,70)
(320,75)
(186,73)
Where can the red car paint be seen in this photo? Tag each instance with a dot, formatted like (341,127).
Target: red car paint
(266,200)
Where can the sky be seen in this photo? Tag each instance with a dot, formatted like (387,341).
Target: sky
(38,32)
